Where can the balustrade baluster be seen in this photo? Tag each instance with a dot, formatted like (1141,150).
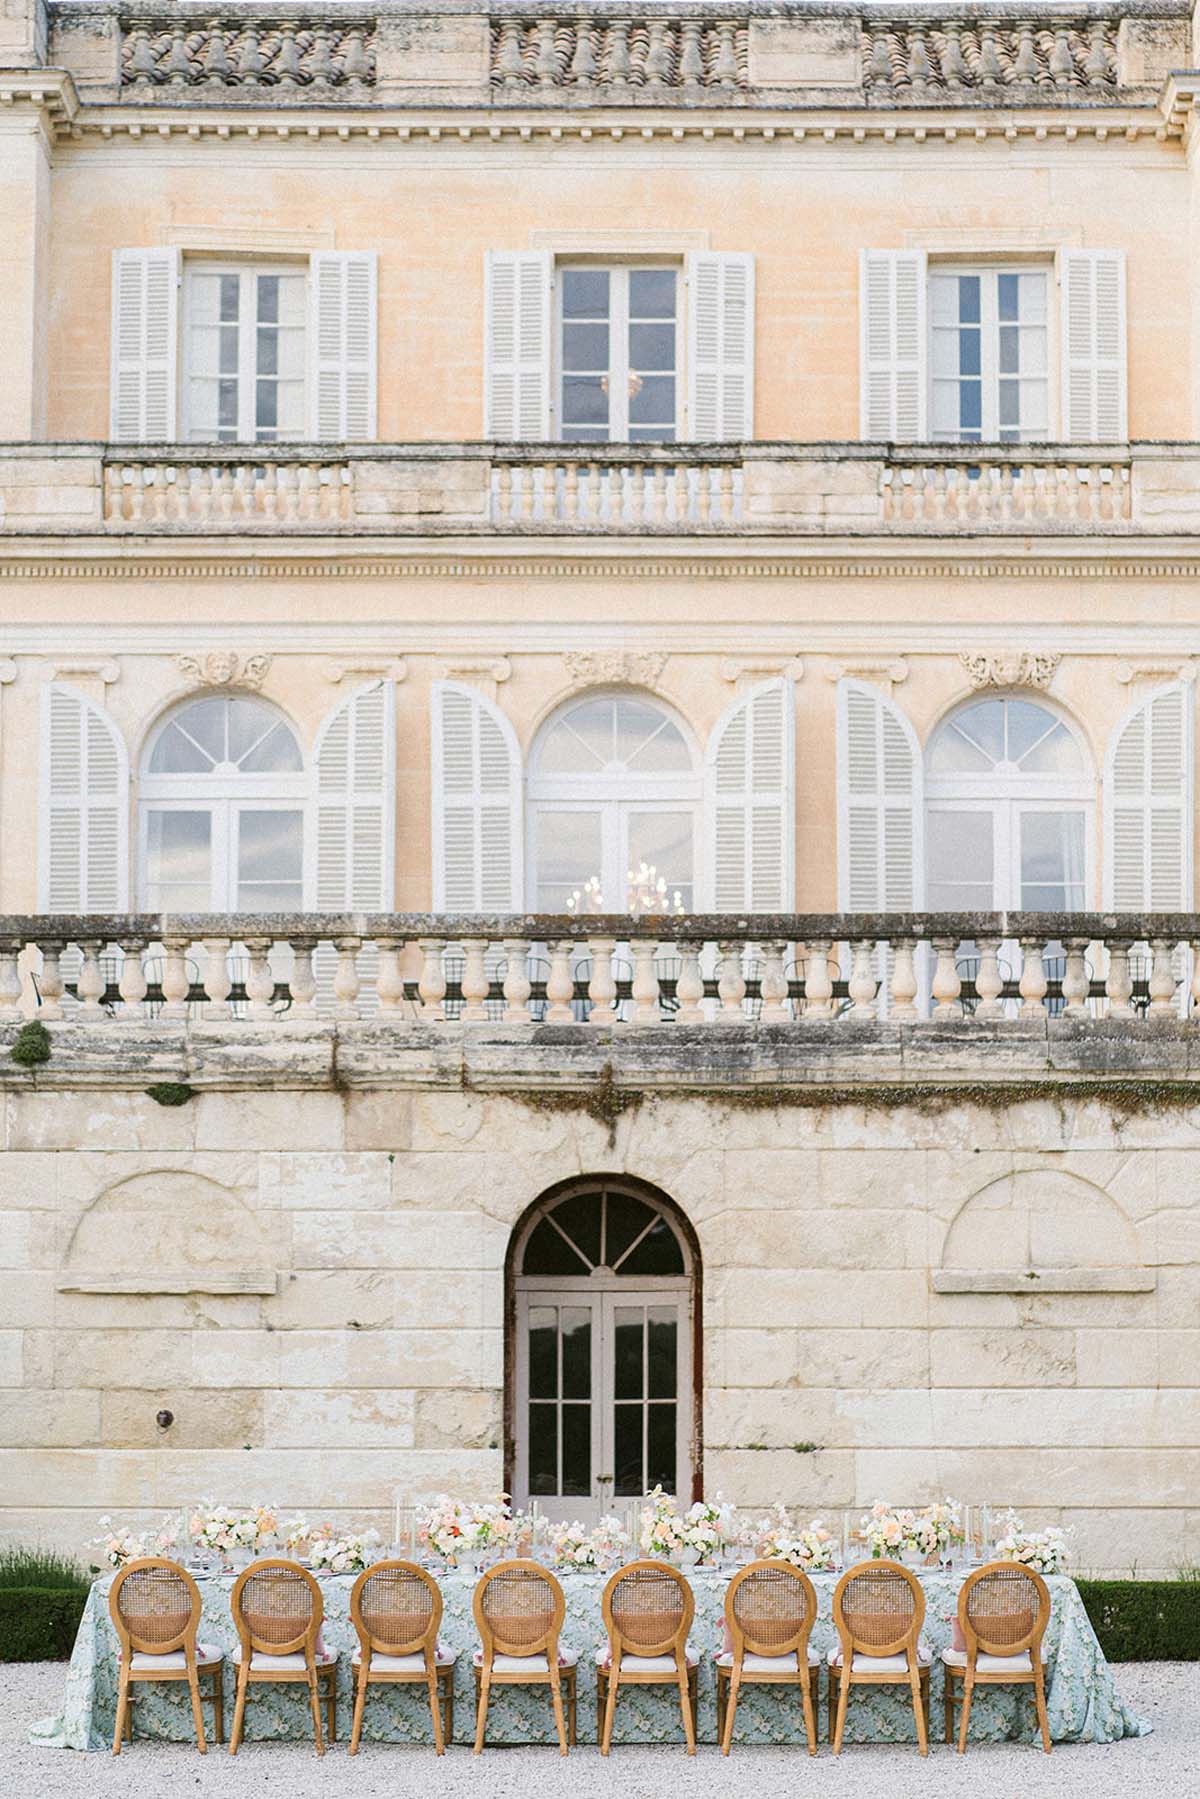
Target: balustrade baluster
(947,983)
(726,496)
(903,995)
(936,495)
(266,487)
(689,986)
(1162,979)
(658,497)
(1076,984)
(159,495)
(704,481)
(389,981)
(260,982)
(1004,499)
(646,1009)
(989,982)
(595,494)
(1118,983)
(90,985)
(431,985)
(571,491)
(731,984)
(114,493)
(560,984)
(217,984)
(517,984)
(50,985)
(225,493)
(132,982)
(176,984)
(523,476)
(303,984)
(345,977)
(308,495)
(136,510)
(475,983)
(637,495)
(1194,994)
(289,498)
(773,985)
(504,494)
(1033,984)
(863,984)
(602,988)
(10,978)
(818,983)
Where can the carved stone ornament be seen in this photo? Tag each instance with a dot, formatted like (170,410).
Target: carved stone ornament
(222,668)
(597,668)
(1011,668)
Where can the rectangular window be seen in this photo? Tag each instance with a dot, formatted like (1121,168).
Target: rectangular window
(244,352)
(619,354)
(989,355)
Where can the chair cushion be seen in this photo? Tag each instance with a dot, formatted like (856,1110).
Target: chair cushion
(404,1664)
(993,1664)
(262,1663)
(527,1664)
(768,1664)
(880,1664)
(646,1664)
(142,1662)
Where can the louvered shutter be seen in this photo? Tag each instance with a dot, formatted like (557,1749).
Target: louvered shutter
(894,339)
(1092,346)
(145,338)
(750,803)
(880,804)
(518,309)
(355,781)
(342,346)
(1148,806)
(720,347)
(477,835)
(84,807)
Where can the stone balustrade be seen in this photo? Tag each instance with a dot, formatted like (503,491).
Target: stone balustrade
(801,970)
(745,490)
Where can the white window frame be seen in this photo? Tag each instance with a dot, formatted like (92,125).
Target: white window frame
(990,426)
(618,332)
(243,268)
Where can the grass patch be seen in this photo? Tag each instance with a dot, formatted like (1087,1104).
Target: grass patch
(46,1569)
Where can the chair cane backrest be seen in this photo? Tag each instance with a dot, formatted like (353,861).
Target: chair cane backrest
(277,1608)
(770,1608)
(155,1607)
(1003,1609)
(878,1608)
(519,1609)
(648,1609)
(396,1608)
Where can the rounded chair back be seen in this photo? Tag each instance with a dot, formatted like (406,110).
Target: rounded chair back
(396,1608)
(648,1609)
(770,1608)
(155,1607)
(1004,1608)
(519,1609)
(878,1608)
(277,1608)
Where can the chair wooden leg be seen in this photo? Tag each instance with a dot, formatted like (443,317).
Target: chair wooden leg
(1039,1696)
(968,1692)
(914,1681)
(360,1700)
(609,1710)
(436,1714)
(807,1677)
(572,1705)
(685,1697)
(843,1697)
(483,1693)
(720,1705)
(314,1700)
(218,1698)
(197,1715)
(948,1705)
(129,1714)
(122,1708)
(331,1701)
(448,1690)
(601,1692)
(735,1681)
(239,1708)
(560,1722)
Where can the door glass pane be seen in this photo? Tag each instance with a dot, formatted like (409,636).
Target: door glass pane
(179,861)
(270,858)
(576,1449)
(579,1216)
(661,1447)
(1053,846)
(548,1252)
(660,862)
(543,1449)
(657,1253)
(629,1478)
(625,1219)
(576,1352)
(961,875)
(586,354)
(662,1323)
(628,1354)
(543,1352)
(568,857)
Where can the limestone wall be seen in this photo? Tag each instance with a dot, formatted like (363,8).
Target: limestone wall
(331,1320)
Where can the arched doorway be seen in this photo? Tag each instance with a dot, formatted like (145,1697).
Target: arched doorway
(603,1365)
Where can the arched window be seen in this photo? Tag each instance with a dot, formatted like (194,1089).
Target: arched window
(1010,800)
(602,1403)
(614,799)
(222,810)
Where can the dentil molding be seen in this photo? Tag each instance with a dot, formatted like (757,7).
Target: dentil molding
(1011,668)
(223,668)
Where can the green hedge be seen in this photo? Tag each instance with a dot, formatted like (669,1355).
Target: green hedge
(38,1624)
(1145,1620)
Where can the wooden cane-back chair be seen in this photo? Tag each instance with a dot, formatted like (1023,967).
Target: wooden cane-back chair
(519,1609)
(770,1609)
(878,1609)
(1003,1611)
(396,1608)
(155,1610)
(277,1608)
(648,1609)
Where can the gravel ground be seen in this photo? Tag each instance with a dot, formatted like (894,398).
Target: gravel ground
(1163,1766)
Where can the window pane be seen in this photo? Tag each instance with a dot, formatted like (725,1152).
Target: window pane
(637,725)
(625,1219)
(179,861)
(983,727)
(576,1352)
(275,753)
(577,1449)
(258,739)
(651,399)
(1052,861)
(1007,302)
(547,1252)
(662,1372)
(959,856)
(268,299)
(568,857)
(1039,741)
(543,1352)
(652,346)
(581,742)
(579,1217)
(585,293)
(270,858)
(585,400)
(660,861)
(652,293)
(192,742)
(627,1431)
(585,347)
(543,1449)
(662,750)
(628,1361)
(661,1447)
(968,299)
(657,1253)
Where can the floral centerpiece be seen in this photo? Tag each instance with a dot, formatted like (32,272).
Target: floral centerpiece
(1046,1551)
(699,1534)
(456,1529)
(812,1549)
(347,1554)
(233,1534)
(911,1535)
(945,1518)
(121,1545)
(575,1546)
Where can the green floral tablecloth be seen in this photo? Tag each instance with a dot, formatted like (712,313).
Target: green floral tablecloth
(1082,1700)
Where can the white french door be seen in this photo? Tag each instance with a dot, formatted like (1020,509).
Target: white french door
(603,1389)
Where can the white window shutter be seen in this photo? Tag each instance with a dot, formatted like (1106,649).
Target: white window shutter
(750,802)
(720,347)
(145,346)
(1148,785)
(478,851)
(354,868)
(1092,346)
(518,313)
(880,792)
(83,850)
(342,377)
(894,340)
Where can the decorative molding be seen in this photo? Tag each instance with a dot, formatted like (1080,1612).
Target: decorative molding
(1164,670)
(101,670)
(1069,60)
(615,668)
(254,56)
(249,239)
(620,57)
(884,671)
(619,241)
(741,669)
(1011,668)
(366,668)
(474,668)
(223,668)
(8,671)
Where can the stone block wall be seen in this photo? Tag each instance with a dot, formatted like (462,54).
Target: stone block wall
(328,1324)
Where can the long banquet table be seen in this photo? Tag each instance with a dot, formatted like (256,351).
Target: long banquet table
(1082,1699)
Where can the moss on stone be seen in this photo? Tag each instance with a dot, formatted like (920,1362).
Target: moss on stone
(32,1045)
